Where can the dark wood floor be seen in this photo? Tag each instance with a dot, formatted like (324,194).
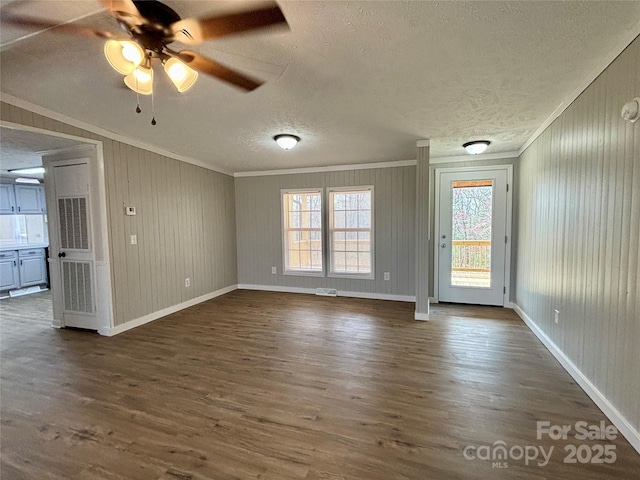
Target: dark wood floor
(271,386)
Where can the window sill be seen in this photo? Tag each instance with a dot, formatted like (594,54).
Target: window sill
(354,276)
(303,273)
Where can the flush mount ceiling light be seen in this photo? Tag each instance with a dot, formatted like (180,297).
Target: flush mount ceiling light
(286,140)
(476,147)
(27,180)
(27,171)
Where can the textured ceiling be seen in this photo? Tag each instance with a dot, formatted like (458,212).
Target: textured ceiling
(358,81)
(22,149)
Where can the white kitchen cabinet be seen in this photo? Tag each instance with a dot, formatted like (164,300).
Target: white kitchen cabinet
(33,270)
(22,199)
(29,199)
(7,199)
(9,272)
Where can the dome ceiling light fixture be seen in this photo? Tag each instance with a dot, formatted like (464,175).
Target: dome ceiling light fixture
(286,141)
(476,147)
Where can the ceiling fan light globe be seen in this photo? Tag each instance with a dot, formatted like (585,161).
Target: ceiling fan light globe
(132,52)
(182,76)
(140,80)
(123,56)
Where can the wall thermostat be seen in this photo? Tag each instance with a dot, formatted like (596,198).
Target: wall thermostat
(130,210)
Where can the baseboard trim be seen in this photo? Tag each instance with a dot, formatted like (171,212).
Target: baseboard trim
(111,331)
(621,423)
(312,291)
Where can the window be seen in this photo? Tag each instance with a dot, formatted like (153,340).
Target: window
(302,232)
(351,232)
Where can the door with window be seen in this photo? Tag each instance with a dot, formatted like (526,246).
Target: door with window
(472,236)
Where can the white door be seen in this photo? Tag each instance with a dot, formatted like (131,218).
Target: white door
(73,244)
(471,239)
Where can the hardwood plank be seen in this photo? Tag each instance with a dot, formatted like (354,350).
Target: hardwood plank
(282,386)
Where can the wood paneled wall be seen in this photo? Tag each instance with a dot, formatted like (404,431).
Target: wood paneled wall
(579,234)
(185,224)
(259,226)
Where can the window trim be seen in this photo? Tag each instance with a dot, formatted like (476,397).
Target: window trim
(303,273)
(329,244)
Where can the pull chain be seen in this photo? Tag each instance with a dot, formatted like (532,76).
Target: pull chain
(153,108)
(138,109)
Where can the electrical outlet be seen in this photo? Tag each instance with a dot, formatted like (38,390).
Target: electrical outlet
(273,270)
(187,282)
(387,277)
(556,315)
(134,239)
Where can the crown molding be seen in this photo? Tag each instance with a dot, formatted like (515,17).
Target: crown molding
(423,143)
(331,168)
(620,47)
(37,109)
(473,158)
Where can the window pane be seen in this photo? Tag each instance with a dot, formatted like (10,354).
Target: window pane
(352,219)
(339,261)
(364,219)
(338,219)
(352,201)
(316,220)
(364,262)
(338,201)
(352,261)
(364,201)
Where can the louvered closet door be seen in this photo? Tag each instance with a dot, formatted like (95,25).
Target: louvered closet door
(75,245)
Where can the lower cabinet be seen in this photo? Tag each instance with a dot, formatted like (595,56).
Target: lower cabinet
(9,272)
(22,268)
(32,267)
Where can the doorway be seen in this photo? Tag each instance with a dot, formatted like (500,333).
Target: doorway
(472,237)
(75,198)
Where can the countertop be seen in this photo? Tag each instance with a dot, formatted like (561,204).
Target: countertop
(23,247)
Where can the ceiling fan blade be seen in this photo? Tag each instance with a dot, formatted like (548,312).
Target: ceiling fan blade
(68,28)
(121,6)
(124,10)
(192,31)
(216,69)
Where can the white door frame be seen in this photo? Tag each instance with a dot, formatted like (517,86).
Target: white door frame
(508,225)
(92,149)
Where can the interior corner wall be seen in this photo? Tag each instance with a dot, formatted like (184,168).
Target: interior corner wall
(259,225)
(185,224)
(579,235)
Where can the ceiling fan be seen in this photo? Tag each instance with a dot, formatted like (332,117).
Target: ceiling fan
(152,26)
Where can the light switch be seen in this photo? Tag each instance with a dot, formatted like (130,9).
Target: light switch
(134,239)
(130,211)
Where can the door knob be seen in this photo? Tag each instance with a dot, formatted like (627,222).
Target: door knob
(62,254)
